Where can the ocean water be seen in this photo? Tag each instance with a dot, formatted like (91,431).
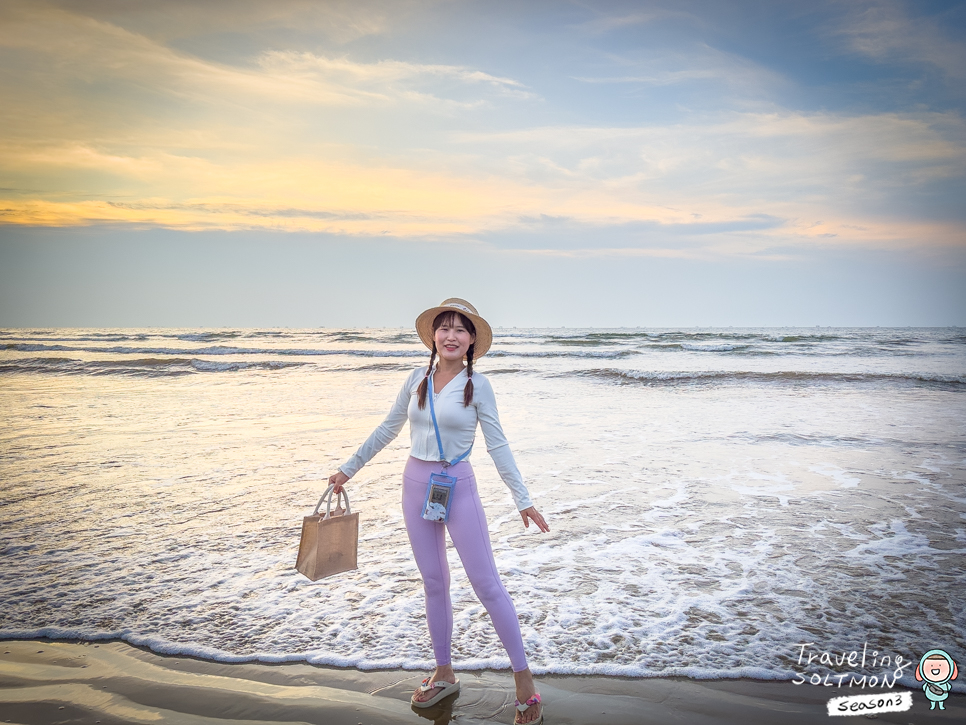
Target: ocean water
(717,497)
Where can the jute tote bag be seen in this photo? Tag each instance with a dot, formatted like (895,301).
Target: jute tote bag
(330,543)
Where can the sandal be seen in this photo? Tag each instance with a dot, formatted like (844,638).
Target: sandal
(445,690)
(521,708)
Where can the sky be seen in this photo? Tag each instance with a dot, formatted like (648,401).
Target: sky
(324,163)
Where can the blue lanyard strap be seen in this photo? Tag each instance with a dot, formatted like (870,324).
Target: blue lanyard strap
(439,441)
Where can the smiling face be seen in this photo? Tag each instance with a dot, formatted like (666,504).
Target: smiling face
(453,334)
(936,670)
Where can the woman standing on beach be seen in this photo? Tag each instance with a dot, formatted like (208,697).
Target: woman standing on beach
(443,403)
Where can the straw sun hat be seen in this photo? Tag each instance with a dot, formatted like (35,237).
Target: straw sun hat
(484,334)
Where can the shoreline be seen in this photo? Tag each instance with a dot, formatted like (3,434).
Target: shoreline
(113,682)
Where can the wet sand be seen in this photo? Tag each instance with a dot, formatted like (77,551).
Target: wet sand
(113,682)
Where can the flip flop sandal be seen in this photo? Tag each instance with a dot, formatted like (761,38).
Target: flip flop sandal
(521,708)
(445,690)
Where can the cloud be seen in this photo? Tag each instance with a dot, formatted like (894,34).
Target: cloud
(380,72)
(720,74)
(885,31)
(98,51)
(745,183)
(788,145)
(74,51)
(829,178)
(336,21)
(664,78)
(609,17)
(607,23)
(387,79)
(108,121)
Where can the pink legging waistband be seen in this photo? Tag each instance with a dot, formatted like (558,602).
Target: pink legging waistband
(468,531)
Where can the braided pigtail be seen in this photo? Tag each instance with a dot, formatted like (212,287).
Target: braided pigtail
(468,388)
(424,386)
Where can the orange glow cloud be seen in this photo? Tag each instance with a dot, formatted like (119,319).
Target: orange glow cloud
(109,124)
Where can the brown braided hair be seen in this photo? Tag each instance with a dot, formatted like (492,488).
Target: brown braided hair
(468,388)
(423,388)
(424,385)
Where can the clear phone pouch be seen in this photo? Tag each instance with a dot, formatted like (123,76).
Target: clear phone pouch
(439,497)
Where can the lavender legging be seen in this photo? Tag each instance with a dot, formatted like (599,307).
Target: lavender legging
(469,533)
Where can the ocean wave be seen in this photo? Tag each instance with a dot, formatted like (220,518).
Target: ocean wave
(868,341)
(376,368)
(81,336)
(350,336)
(143,367)
(604,355)
(695,347)
(713,377)
(380,336)
(849,442)
(209,336)
(164,646)
(174,366)
(742,349)
(746,345)
(211,350)
(694,560)
(90,337)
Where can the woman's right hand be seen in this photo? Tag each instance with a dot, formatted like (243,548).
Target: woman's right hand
(337,480)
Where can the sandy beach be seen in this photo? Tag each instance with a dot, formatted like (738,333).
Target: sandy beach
(44,681)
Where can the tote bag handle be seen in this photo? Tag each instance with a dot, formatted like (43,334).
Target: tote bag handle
(327,497)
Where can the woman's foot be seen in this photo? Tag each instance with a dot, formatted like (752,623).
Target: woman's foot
(527,695)
(442,674)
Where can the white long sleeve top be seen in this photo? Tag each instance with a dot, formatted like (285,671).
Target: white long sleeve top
(457,429)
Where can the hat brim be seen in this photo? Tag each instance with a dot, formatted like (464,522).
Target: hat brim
(484,333)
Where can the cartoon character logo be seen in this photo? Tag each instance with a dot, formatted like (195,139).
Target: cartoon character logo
(936,669)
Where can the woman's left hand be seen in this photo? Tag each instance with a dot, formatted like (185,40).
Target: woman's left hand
(531,514)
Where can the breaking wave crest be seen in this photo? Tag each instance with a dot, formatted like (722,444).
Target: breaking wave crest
(143,367)
(213,350)
(710,377)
